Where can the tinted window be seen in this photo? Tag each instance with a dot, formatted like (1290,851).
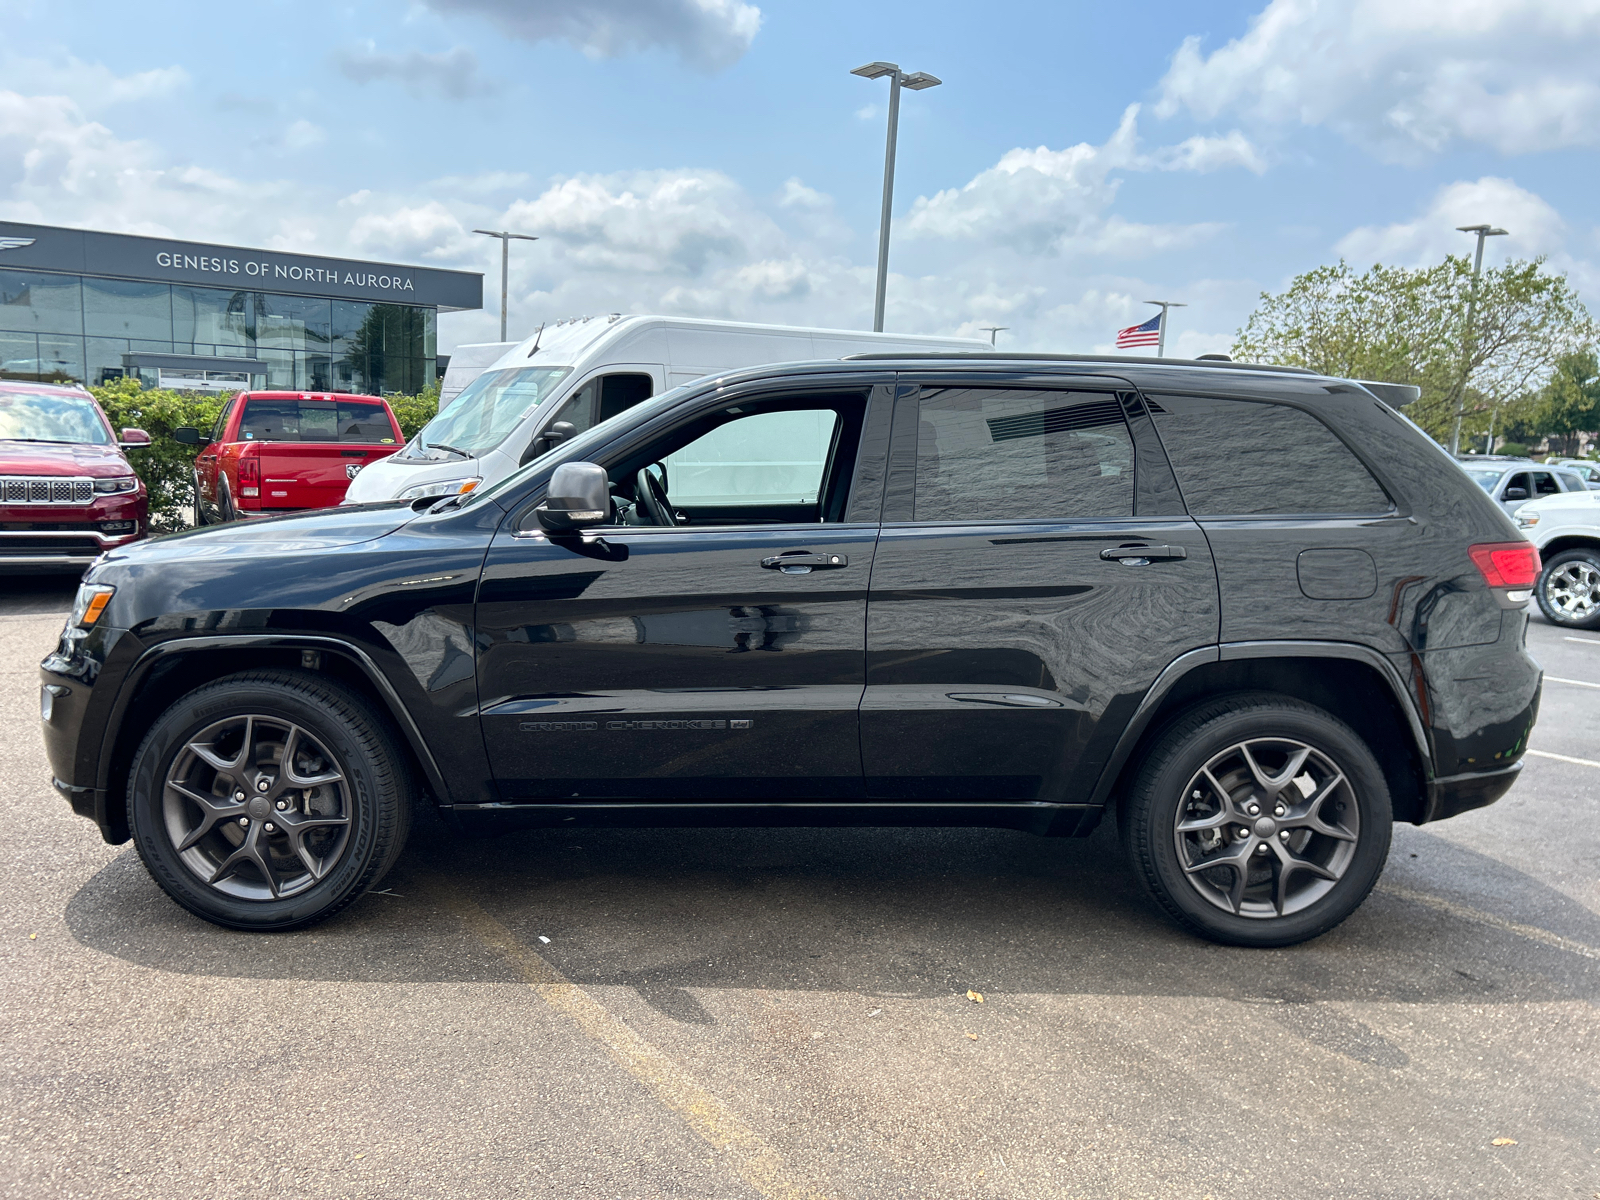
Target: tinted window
(1571,481)
(1243,457)
(990,454)
(314,421)
(1544,484)
(221,427)
(764,458)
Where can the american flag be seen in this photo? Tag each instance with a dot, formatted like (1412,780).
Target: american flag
(1148,334)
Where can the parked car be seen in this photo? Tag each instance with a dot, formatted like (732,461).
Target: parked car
(1566,529)
(572,374)
(67,489)
(276,452)
(1585,469)
(1515,481)
(898,589)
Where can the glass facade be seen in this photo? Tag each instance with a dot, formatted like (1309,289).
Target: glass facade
(57,327)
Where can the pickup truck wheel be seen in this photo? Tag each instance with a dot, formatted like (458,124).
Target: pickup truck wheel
(1257,820)
(225,510)
(1569,589)
(199,504)
(268,800)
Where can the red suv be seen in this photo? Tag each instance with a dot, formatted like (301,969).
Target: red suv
(67,492)
(276,452)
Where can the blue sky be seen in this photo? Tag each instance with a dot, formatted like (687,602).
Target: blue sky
(715,158)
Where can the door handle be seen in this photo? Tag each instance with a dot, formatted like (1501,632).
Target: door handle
(1141,556)
(801,562)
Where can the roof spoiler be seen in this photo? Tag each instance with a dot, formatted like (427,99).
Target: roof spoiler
(1396,395)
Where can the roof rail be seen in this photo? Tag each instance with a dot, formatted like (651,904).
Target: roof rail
(1138,359)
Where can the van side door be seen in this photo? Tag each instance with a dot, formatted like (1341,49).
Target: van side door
(1035,574)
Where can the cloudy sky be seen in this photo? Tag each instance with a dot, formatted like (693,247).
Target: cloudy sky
(715,158)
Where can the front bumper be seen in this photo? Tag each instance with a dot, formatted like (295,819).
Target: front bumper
(79,683)
(35,539)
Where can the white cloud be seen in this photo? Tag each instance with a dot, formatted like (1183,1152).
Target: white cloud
(1043,200)
(1406,77)
(451,73)
(303,135)
(707,34)
(1534,227)
(94,87)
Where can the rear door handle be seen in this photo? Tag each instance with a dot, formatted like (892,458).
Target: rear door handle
(801,562)
(1139,556)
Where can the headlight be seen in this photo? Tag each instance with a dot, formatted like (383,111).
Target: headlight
(1527,520)
(90,603)
(120,483)
(445,487)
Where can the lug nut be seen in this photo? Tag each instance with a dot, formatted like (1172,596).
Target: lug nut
(1199,795)
(282,804)
(238,797)
(1261,849)
(1279,811)
(1254,810)
(244,822)
(1283,834)
(262,785)
(271,828)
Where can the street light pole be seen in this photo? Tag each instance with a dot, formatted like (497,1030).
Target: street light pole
(916,81)
(1161,335)
(505,265)
(1471,333)
(992,330)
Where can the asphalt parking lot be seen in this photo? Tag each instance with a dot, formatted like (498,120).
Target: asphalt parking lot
(760,1013)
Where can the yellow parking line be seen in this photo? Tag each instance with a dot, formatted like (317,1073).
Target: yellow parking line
(709,1117)
(1573,682)
(1532,932)
(1567,758)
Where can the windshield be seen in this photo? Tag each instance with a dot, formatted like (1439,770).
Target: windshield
(1485,478)
(489,408)
(576,448)
(30,417)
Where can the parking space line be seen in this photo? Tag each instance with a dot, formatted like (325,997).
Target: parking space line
(714,1121)
(1566,758)
(1467,913)
(1581,641)
(1573,682)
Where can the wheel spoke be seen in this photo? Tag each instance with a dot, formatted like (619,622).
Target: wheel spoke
(1289,865)
(291,775)
(295,829)
(212,809)
(1308,814)
(1273,784)
(1237,860)
(1200,824)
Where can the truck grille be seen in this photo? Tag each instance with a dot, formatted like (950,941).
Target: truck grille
(34,547)
(32,489)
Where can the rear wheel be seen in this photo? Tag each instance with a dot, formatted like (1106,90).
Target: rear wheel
(268,800)
(1569,589)
(1257,820)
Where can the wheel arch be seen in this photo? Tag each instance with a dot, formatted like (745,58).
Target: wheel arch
(1355,683)
(1568,541)
(171,669)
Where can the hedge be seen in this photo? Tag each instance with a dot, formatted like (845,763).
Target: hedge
(167,466)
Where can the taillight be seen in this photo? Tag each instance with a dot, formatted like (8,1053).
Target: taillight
(250,470)
(1506,564)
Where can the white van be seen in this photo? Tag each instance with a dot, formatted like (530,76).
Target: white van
(573,374)
(466,364)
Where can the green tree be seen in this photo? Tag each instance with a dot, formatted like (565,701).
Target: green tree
(1403,325)
(166,466)
(1570,402)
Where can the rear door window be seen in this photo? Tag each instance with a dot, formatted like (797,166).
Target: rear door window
(1254,458)
(288,420)
(988,454)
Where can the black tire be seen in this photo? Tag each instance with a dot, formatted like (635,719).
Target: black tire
(309,850)
(1345,837)
(1568,590)
(199,504)
(225,510)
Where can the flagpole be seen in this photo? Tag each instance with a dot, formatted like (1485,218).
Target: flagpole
(1161,330)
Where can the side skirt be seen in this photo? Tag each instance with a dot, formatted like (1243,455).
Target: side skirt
(1052,820)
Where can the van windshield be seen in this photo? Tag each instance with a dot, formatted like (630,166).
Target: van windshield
(489,408)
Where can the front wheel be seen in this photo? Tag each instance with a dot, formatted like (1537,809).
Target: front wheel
(1569,589)
(268,800)
(1257,820)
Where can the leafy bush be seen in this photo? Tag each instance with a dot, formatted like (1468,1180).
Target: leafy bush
(166,466)
(1514,449)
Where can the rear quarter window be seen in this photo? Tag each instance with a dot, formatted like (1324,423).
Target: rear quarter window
(1254,458)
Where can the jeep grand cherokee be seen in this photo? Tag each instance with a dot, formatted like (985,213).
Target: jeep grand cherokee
(1255,614)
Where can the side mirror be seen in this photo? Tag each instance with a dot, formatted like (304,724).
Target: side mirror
(579,495)
(134,437)
(188,435)
(1515,493)
(554,436)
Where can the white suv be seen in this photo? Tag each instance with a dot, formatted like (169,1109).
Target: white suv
(1566,529)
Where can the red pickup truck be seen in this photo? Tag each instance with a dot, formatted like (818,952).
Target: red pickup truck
(277,452)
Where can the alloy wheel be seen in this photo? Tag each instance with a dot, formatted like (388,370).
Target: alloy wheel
(257,807)
(1572,588)
(1266,828)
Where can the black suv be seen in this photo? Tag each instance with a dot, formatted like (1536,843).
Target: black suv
(1256,612)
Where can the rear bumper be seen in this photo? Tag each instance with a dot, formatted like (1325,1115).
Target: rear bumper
(1456,794)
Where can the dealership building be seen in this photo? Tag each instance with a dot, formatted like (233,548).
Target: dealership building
(81,305)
